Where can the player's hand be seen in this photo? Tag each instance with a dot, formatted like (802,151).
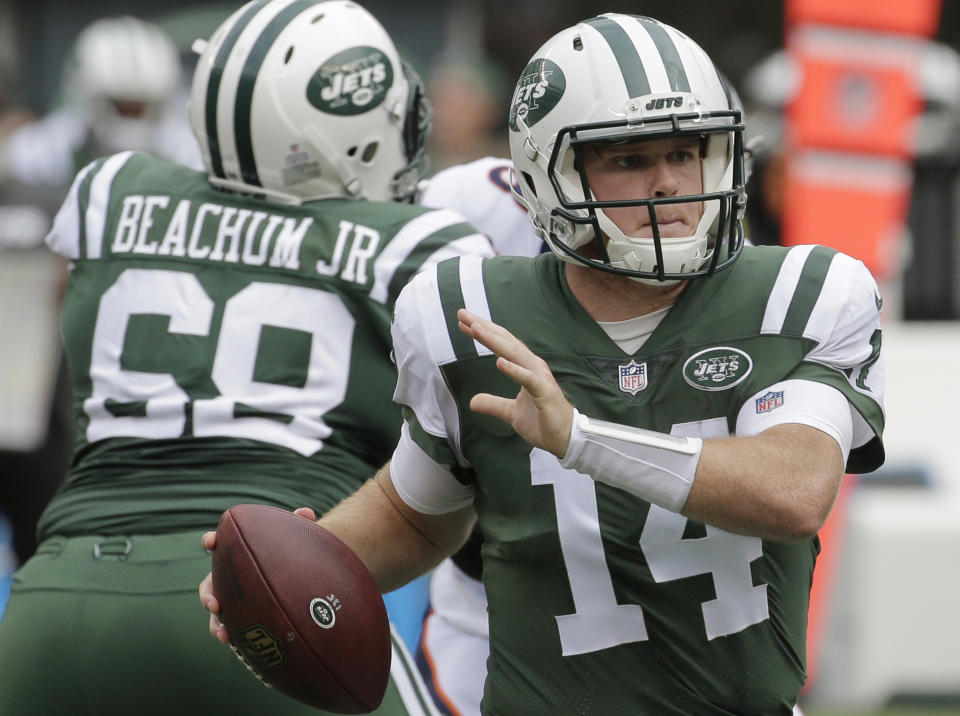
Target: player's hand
(209,600)
(541,413)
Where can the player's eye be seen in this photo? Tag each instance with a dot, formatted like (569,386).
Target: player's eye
(681,156)
(630,161)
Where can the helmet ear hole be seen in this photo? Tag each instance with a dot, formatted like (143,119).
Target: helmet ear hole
(369,152)
(528,180)
(352,151)
(286,57)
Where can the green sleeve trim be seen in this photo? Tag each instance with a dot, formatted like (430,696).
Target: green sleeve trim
(451,299)
(808,290)
(83,199)
(438,449)
(423,251)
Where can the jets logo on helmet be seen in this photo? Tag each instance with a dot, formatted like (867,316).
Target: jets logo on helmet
(285,73)
(351,82)
(615,80)
(539,89)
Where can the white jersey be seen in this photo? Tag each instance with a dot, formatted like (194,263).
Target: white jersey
(481,192)
(48,150)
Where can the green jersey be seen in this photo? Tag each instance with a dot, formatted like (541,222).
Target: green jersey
(599,602)
(225,349)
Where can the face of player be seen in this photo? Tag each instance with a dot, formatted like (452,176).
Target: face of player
(655,168)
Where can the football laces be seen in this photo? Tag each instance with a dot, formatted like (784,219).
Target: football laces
(250,667)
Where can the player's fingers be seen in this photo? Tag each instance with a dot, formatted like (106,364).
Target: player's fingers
(306,512)
(492,405)
(217,630)
(209,540)
(207,597)
(496,338)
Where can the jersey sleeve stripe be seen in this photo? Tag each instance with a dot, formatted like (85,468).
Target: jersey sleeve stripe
(451,297)
(783,289)
(808,290)
(399,249)
(474,294)
(95,218)
(426,296)
(65,236)
(438,248)
(841,275)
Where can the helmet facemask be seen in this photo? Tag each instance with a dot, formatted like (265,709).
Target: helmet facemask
(594,238)
(615,80)
(417,119)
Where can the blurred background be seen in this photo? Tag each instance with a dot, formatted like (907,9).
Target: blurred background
(853,117)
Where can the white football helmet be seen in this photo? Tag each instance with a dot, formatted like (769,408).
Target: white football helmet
(297,100)
(615,79)
(120,73)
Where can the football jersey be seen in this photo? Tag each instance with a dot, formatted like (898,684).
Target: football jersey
(227,350)
(482,192)
(600,602)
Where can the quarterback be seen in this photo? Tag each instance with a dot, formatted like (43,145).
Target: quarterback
(649,424)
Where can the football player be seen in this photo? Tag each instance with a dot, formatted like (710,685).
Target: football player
(122,89)
(228,334)
(453,645)
(649,424)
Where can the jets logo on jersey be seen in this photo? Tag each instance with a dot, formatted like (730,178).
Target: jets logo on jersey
(717,368)
(351,82)
(633,377)
(541,86)
(769,401)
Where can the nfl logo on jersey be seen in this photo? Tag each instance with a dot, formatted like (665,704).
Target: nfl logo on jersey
(633,377)
(769,400)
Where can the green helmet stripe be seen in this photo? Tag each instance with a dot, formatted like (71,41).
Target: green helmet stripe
(626,53)
(451,298)
(668,53)
(213,85)
(805,295)
(248,78)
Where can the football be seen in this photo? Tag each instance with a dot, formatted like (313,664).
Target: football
(303,612)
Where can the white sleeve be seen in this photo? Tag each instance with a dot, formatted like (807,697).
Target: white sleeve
(420,346)
(799,401)
(481,191)
(424,484)
(64,236)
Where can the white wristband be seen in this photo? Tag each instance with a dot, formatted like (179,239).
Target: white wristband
(656,467)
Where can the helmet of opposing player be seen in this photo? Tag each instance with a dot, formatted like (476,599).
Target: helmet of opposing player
(618,80)
(120,73)
(298,100)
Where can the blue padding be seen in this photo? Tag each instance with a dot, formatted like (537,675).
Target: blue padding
(406,607)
